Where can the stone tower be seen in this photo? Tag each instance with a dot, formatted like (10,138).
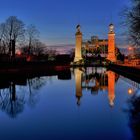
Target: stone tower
(78,47)
(111,44)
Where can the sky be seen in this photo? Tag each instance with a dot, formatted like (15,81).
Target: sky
(57,19)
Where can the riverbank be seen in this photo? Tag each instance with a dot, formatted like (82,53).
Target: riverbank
(128,71)
(32,68)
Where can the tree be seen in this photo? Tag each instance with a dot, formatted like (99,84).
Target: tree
(2,38)
(14,30)
(32,35)
(119,55)
(12,34)
(2,30)
(38,47)
(51,54)
(132,20)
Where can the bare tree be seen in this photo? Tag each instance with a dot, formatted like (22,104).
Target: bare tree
(2,29)
(14,30)
(3,39)
(39,48)
(51,54)
(32,35)
(132,21)
(12,33)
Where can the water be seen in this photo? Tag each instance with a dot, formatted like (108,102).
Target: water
(83,104)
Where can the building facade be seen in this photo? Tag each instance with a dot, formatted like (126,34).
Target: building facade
(96,43)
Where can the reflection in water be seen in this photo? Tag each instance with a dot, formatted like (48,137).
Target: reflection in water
(130,91)
(111,87)
(33,86)
(56,112)
(15,91)
(78,80)
(95,79)
(134,115)
(9,102)
(12,101)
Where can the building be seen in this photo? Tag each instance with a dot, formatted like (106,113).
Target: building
(111,44)
(95,43)
(78,45)
(96,47)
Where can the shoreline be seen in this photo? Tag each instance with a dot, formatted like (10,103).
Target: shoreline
(52,68)
(130,72)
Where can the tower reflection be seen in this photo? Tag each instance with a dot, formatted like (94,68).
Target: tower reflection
(111,87)
(95,80)
(78,81)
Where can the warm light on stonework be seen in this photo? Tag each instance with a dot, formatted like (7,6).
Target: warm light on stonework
(78,47)
(111,44)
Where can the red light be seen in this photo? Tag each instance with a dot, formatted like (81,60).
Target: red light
(28,58)
(18,52)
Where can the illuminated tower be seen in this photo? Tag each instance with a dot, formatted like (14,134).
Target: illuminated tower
(111,87)
(111,44)
(78,82)
(78,47)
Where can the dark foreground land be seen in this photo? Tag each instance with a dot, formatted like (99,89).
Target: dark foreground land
(132,73)
(31,69)
(18,73)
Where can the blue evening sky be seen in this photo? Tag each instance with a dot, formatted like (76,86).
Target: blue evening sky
(56,19)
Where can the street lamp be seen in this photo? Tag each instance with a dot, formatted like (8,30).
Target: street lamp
(130,91)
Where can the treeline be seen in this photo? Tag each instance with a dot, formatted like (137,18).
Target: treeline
(25,38)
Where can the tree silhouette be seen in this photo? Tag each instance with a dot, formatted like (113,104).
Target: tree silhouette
(14,30)
(32,35)
(13,33)
(132,21)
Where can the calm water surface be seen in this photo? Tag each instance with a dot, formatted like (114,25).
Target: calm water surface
(81,104)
